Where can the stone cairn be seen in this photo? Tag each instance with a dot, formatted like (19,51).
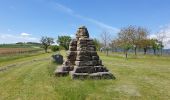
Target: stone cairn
(82,59)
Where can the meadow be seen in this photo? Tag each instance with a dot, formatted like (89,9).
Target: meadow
(144,77)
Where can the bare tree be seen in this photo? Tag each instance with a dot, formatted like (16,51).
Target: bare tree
(105,36)
(114,44)
(161,36)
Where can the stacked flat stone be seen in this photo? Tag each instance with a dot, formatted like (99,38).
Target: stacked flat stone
(82,60)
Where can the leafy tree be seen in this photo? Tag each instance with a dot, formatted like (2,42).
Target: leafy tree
(155,45)
(124,39)
(46,42)
(140,36)
(64,41)
(131,37)
(145,44)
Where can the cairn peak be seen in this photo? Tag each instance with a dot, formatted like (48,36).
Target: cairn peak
(82,32)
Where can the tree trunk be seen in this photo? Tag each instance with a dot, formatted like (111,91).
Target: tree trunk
(126,54)
(107,52)
(145,50)
(161,51)
(45,49)
(154,51)
(135,50)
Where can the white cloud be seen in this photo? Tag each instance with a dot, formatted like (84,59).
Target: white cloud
(100,24)
(13,38)
(64,8)
(25,34)
(152,36)
(165,33)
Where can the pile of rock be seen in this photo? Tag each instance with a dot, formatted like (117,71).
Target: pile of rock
(82,59)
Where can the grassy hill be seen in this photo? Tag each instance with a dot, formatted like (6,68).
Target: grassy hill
(142,78)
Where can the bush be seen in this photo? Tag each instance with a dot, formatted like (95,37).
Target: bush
(54,48)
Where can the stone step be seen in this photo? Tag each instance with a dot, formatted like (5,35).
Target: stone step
(89,69)
(99,75)
(79,75)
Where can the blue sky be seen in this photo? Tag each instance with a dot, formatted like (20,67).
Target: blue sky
(28,20)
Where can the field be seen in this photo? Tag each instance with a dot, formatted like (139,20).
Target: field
(7,54)
(10,51)
(137,78)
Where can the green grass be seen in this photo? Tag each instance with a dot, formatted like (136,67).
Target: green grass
(141,78)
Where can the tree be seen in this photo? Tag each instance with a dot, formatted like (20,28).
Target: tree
(114,44)
(155,45)
(161,36)
(141,36)
(145,44)
(97,43)
(64,41)
(46,42)
(105,36)
(125,39)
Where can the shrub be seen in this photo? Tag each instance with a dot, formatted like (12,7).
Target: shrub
(54,48)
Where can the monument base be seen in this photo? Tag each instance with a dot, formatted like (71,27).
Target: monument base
(98,75)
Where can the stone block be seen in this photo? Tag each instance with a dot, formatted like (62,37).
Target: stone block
(83,58)
(101,75)
(90,43)
(82,45)
(71,57)
(100,62)
(83,63)
(93,53)
(72,48)
(62,71)
(73,42)
(82,69)
(95,57)
(71,53)
(91,48)
(96,69)
(79,75)
(83,53)
(81,49)
(106,75)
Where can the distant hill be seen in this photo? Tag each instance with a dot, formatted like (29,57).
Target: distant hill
(21,45)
